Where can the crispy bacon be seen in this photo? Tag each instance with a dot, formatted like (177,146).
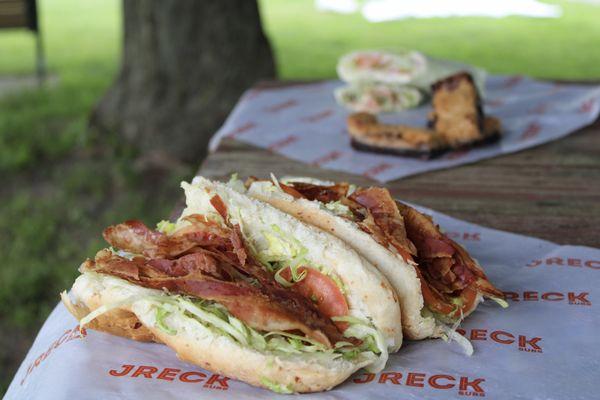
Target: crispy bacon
(445,264)
(324,194)
(261,307)
(208,259)
(217,202)
(290,190)
(386,219)
(137,238)
(445,269)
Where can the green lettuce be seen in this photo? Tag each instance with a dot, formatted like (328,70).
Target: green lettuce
(166,227)
(218,319)
(337,208)
(276,387)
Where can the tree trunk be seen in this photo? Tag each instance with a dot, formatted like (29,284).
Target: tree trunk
(185,63)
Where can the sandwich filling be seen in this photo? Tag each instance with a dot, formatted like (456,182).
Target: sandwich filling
(204,267)
(451,281)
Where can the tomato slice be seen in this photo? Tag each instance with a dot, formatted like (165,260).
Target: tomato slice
(323,292)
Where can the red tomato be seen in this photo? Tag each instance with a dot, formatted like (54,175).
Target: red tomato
(322,291)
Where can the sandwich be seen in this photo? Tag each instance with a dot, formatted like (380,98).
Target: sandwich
(458,114)
(377,97)
(368,134)
(437,281)
(242,289)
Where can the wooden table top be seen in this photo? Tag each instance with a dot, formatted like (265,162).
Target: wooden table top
(551,191)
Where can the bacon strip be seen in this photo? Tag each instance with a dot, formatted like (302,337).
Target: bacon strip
(324,194)
(389,224)
(444,259)
(209,260)
(264,308)
(444,268)
(137,238)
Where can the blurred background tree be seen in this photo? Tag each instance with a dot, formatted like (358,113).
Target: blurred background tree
(184,65)
(62,183)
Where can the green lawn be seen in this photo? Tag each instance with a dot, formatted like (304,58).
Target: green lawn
(62,184)
(308,43)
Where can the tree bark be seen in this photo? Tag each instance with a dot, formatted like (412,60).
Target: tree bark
(185,63)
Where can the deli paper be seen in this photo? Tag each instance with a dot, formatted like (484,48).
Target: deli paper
(544,346)
(304,123)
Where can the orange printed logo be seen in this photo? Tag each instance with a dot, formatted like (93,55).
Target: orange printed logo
(587,106)
(281,106)
(376,170)
(286,141)
(463,385)
(331,156)
(67,336)
(565,262)
(512,81)
(467,236)
(531,131)
(318,116)
(241,129)
(574,298)
(522,342)
(214,381)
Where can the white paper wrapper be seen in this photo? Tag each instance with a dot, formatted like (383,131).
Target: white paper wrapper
(304,123)
(544,346)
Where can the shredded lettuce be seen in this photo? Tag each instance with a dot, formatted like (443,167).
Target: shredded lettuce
(217,318)
(337,208)
(104,309)
(166,227)
(161,313)
(500,301)
(283,251)
(236,184)
(305,179)
(450,334)
(372,338)
(276,182)
(286,251)
(276,387)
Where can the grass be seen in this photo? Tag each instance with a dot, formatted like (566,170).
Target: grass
(63,184)
(563,48)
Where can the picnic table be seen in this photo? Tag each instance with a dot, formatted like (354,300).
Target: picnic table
(551,191)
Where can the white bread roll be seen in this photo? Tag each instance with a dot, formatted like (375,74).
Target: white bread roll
(368,293)
(401,274)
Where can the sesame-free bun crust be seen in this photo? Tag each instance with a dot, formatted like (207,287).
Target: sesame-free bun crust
(196,344)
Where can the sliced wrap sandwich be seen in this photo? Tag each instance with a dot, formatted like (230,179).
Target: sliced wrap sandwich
(437,281)
(244,290)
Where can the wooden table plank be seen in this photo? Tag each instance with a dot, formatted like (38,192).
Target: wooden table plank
(551,191)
